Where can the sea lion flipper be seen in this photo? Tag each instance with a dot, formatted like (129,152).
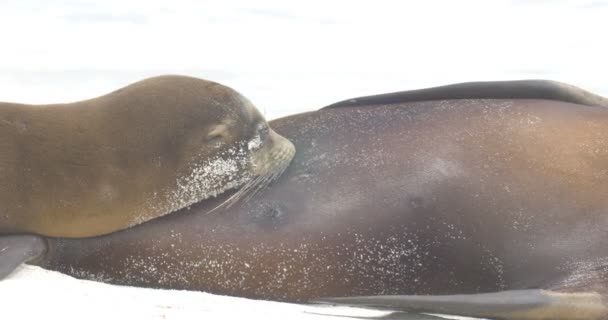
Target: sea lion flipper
(518,89)
(393,315)
(17,249)
(514,304)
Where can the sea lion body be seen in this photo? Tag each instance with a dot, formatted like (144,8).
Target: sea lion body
(418,198)
(96,166)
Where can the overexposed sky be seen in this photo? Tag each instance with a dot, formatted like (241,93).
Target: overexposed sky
(293,56)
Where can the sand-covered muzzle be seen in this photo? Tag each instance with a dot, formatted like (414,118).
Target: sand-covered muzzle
(250,165)
(269,159)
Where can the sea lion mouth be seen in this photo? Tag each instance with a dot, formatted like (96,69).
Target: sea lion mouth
(269,159)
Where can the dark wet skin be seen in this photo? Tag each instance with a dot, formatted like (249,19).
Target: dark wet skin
(436,197)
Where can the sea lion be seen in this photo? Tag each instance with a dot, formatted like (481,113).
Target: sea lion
(93,167)
(436,197)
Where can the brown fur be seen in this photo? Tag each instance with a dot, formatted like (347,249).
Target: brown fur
(107,163)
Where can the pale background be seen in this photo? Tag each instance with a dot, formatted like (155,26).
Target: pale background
(292,56)
(287,57)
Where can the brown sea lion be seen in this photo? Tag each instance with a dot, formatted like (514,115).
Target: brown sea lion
(93,167)
(493,207)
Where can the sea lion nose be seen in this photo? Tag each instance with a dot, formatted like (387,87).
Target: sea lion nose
(275,156)
(286,145)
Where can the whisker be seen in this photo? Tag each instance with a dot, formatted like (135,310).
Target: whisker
(235,197)
(256,184)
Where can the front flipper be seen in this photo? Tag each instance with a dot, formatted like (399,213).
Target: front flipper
(509,305)
(17,249)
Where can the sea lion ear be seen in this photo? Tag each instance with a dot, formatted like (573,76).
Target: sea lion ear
(217,133)
(17,249)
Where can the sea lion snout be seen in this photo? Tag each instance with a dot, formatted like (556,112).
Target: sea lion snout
(273,156)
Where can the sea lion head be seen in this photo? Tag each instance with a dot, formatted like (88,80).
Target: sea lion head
(221,142)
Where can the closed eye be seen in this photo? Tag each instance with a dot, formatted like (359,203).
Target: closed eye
(217,135)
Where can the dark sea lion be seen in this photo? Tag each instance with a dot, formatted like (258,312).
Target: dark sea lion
(500,204)
(96,166)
